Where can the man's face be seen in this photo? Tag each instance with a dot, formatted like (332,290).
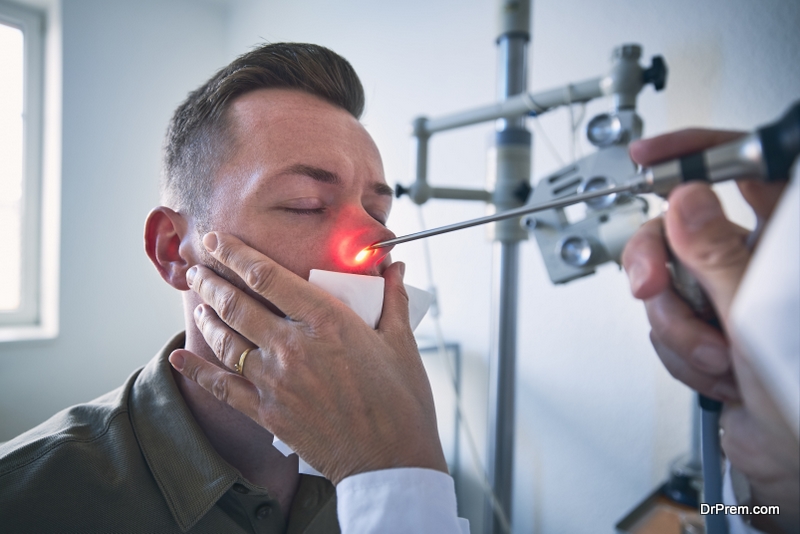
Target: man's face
(303,184)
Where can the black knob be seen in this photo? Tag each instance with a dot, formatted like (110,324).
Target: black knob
(523,191)
(656,74)
(399,190)
(780,144)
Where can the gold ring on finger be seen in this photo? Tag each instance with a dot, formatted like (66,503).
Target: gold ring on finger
(239,367)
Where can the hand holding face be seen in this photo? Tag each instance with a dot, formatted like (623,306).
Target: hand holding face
(756,440)
(346,398)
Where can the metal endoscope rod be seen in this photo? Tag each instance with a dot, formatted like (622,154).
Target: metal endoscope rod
(766,154)
(508,214)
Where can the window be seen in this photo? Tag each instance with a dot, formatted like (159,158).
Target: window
(11,150)
(21,162)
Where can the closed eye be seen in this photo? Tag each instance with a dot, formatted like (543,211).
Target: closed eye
(299,211)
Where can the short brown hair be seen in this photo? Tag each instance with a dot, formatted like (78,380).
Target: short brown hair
(198,137)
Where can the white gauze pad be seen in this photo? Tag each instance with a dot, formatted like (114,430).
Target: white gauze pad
(364,295)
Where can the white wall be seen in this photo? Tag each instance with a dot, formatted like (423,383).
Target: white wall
(598,418)
(126,66)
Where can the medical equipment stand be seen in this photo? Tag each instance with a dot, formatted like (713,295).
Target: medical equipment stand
(570,256)
(509,187)
(509,183)
(767,154)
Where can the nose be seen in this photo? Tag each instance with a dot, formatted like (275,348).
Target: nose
(375,233)
(376,256)
(383,234)
(361,232)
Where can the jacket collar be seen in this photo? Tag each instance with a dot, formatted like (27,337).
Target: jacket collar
(189,472)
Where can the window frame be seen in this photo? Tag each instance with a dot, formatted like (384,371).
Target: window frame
(28,321)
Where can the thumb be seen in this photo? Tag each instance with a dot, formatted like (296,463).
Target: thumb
(708,244)
(395,300)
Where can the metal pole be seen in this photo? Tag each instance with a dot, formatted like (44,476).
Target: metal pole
(502,391)
(712,464)
(511,175)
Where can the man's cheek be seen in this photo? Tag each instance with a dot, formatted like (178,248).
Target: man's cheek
(224,272)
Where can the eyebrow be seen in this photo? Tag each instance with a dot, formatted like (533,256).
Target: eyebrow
(382,189)
(315,173)
(328,177)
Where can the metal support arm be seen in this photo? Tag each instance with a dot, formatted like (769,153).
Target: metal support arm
(624,81)
(519,105)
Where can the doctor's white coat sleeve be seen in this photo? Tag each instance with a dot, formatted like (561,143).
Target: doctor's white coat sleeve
(765,316)
(766,310)
(399,501)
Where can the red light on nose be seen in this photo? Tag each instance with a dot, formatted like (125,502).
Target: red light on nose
(363,255)
(353,253)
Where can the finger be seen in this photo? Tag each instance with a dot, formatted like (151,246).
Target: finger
(675,325)
(395,301)
(230,388)
(680,143)
(240,311)
(722,388)
(645,260)
(227,344)
(709,245)
(293,295)
(762,197)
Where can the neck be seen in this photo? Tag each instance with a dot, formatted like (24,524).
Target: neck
(239,440)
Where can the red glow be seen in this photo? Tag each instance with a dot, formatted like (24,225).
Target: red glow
(363,255)
(352,255)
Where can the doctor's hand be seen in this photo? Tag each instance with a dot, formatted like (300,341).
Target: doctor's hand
(347,398)
(711,247)
(756,439)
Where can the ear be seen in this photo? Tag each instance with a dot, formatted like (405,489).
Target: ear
(164,234)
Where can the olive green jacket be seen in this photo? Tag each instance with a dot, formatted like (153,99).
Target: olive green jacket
(135,460)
